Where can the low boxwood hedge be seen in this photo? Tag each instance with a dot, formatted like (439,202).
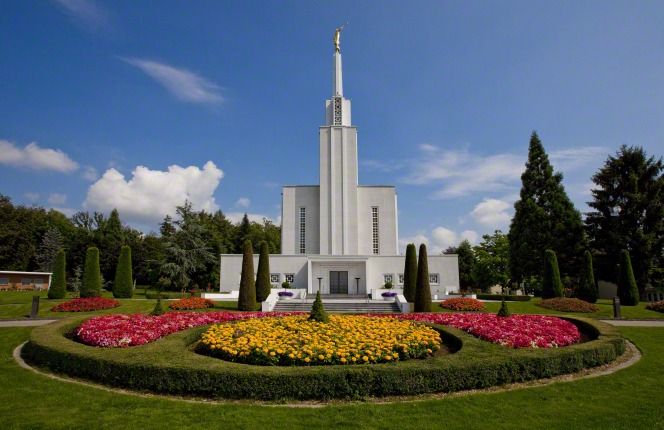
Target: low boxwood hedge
(171,366)
(167,296)
(499,297)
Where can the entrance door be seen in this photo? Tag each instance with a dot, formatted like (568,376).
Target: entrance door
(338,282)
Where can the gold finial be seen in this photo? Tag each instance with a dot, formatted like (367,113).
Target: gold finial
(336,37)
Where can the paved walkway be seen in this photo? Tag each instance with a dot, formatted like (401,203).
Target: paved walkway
(24,323)
(636,323)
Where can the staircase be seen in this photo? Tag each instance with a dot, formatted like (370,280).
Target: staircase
(340,306)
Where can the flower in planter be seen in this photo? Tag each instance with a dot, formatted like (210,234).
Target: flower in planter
(389,294)
(285,294)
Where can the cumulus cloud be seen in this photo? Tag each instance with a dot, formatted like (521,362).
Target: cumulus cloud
(443,238)
(149,195)
(35,157)
(89,14)
(492,213)
(417,240)
(243,202)
(471,236)
(181,83)
(32,197)
(68,212)
(90,173)
(57,199)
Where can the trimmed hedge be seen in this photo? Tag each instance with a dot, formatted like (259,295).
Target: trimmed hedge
(123,286)
(167,296)
(171,366)
(499,297)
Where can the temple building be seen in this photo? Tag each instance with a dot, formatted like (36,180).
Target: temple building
(340,236)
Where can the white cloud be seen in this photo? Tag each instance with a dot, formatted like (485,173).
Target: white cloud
(442,238)
(149,195)
(236,217)
(90,173)
(417,240)
(243,202)
(471,236)
(68,212)
(87,13)
(32,197)
(492,213)
(564,160)
(373,165)
(181,83)
(57,199)
(35,157)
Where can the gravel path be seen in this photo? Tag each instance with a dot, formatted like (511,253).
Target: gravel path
(636,323)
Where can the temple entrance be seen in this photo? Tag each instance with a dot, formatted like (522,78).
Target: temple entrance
(338,282)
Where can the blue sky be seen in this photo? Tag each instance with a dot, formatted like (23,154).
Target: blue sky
(138,105)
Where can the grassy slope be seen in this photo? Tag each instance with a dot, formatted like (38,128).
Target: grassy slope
(631,398)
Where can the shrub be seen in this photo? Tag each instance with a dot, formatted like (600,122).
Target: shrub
(86,305)
(191,303)
(153,296)
(247,297)
(564,304)
(410,273)
(500,297)
(388,285)
(423,289)
(318,311)
(587,290)
(627,290)
(123,286)
(58,289)
(158,308)
(504,312)
(285,284)
(91,286)
(263,276)
(656,306)
(462,304)
(551,284)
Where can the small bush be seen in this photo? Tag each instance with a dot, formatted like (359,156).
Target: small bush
(285,284)
(568,305)
(462,304)
(318,311)
(504,312)
(627,290)
(388,285)
(158,308)
(656,306)
(191,303)
(153,296)
(86,305)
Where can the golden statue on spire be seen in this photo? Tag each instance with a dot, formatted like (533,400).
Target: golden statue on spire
(337,34)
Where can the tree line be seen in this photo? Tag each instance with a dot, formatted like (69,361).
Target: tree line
(627,217)
(185,250)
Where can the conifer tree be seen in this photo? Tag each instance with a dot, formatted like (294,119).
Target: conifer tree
(504,311)
(123,286)
(627,290)
(247,297)
(91,286)
(51,244)
(552,286)
(318,311)
(544,218)
(58,289)
(423,288)
(263,274)
(410,273)
(587,289)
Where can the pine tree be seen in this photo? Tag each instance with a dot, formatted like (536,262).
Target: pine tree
(247,297)
(242,232)
(587,289)
(552,286)
(51,244)
(318,311)
(123,286)
(423,289)
(627,290)
(410,273)
(628,203)
(263,275)
(544,218)
(91,274)
(58,289)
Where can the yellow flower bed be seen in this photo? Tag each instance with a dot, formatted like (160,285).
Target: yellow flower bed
(295,341)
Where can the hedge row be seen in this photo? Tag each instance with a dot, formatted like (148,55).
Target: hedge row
(167,296)
(171,366)
(499,297)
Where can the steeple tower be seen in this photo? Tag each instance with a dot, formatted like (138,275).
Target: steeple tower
(337,109)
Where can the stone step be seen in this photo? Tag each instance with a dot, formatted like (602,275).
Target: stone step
(387,307)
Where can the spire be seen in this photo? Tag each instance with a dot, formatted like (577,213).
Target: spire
(338,82)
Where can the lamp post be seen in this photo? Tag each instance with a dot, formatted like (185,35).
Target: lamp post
(319,280)
(357,285)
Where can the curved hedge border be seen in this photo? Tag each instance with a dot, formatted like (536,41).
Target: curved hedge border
(171,366)
(499,297)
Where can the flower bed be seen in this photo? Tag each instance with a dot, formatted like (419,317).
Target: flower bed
(656,306)
(117,331)
(389,294)
(285,294)
(462,304)
(564,304)
(86,305)
(296,341)
(191,303)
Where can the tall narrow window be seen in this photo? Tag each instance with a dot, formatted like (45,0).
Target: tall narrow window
(303,230)
(374,219)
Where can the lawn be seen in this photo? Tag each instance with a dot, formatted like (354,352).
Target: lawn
(628,399)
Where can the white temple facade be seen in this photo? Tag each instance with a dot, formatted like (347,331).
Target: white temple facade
(340,236)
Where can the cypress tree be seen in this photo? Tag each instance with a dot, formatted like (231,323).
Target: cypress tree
(158,309)
(552,286)
(627,290)
(58,289)
(504,312)
(410,273)
(123,286)
(247,298)
(91,286)
(587,290)
(318,311)
(263,275)
(544,218)
(423,289)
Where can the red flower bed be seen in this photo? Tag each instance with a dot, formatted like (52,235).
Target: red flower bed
(564,304)
(462,304)
(117,331)
(656,306)
(86,305)
(191,303)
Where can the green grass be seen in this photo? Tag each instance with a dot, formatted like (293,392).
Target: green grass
(629,399)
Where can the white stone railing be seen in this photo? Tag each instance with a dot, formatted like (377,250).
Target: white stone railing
(403,304)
